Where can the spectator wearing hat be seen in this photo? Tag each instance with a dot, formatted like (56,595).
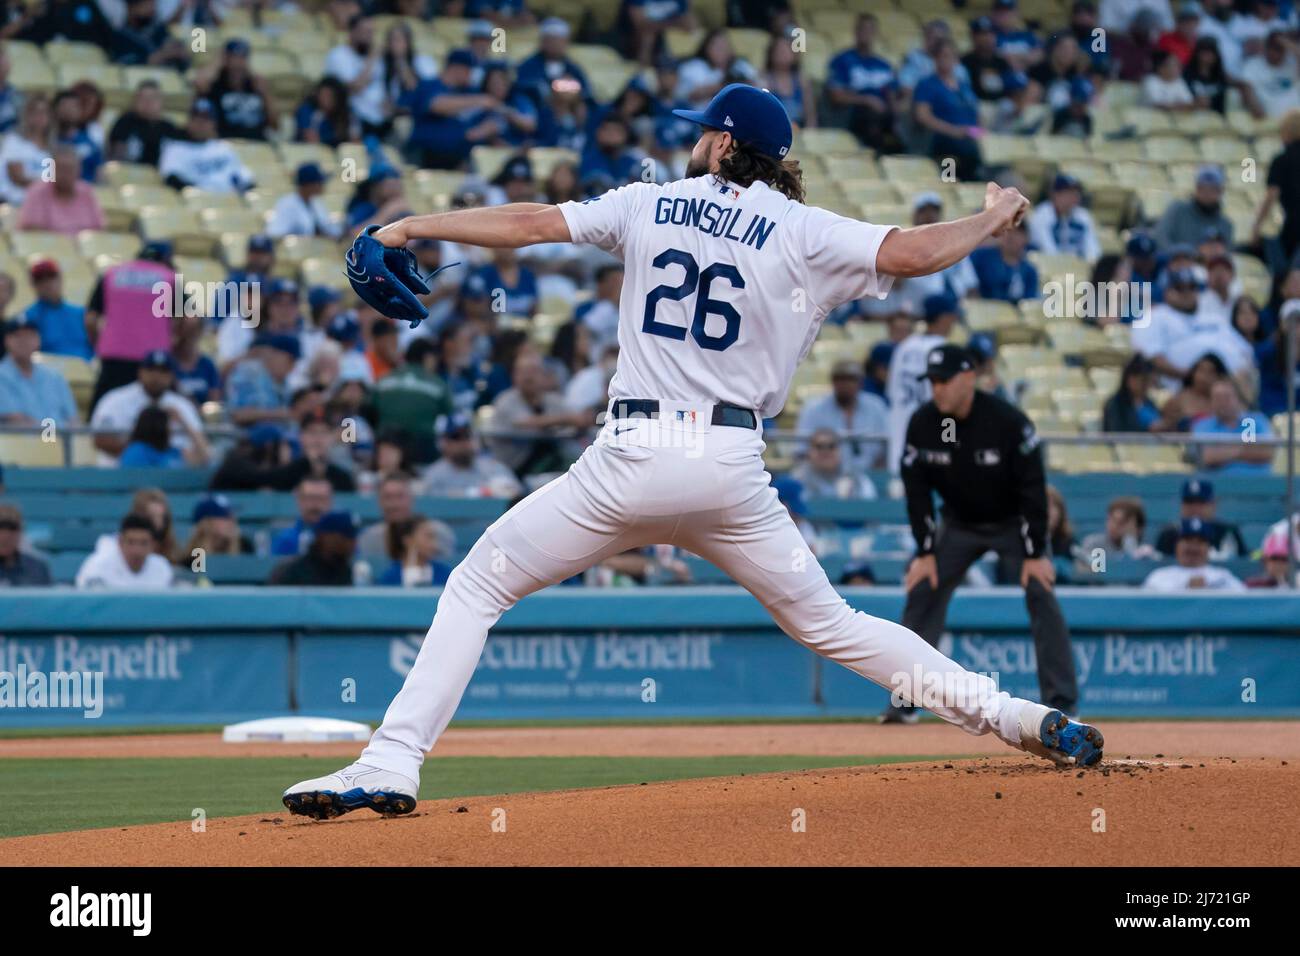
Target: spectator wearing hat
(257,388)
(851,412)
(986,67)
(1130,408)
(127,562)
(1075,118)
(303,212)
(215,531)
(1016,42)
(861,81)
(877,370)
(1229,417)
(1016,113)
(983,349)
(345,331)
(908,388)
(65,204)
(138,134)
(202,160)
(1061,224)
(241,98)
(1143,262)
(945,105)
(982,457)
(142,39)
(1185,221)
(413,550)
(450,116)
(328,559)
(1004,270)
(551,62)
(116,414)
(463,469)
(1197,502)
(251,463)
(1193,550)
(62,325)
(514,183)
(857,574)
(1177,334)
(121,316)
(276,309)
(19,568)
(1269,77)
(1274,566)
(31,393)
(259,263)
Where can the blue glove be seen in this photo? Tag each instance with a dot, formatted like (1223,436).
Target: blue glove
(388,280)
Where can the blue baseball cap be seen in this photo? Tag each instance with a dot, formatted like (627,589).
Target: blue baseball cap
(789,491)
(1141,246)
(158,358)
(461,58)
(479,30)
(309,174)
(259,242)
(238,46)
(881,354)
(455,425)
(1196,528)
(752,116)
(156,250)
(319,296)
(940,303)
(983,346)
(981,25)
(282,287)
(1185,278)
(1065,181)
(265,434)
(213,506)
(287,344)
(337,522)
(1014,81)
(1197,490)
(20,322)
(344,327)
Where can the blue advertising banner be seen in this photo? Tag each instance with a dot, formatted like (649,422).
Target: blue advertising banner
(141,678)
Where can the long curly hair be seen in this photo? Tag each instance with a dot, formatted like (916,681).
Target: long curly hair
(745,165)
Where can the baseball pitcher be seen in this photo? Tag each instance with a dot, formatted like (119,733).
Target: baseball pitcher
(728,276)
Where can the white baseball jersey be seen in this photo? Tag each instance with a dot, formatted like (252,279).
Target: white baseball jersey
(724,286)
(906,393)
(723,291)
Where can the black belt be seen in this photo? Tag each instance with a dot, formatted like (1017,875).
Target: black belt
(723,414)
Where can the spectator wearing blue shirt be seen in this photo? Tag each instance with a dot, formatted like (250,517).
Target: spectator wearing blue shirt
(1270,355)
(259,262)
(150,443)
(538,74)
(945,104)
(1091,40)
(315,498)
(509,13)
(413,545)
(866,85)
(257,389)
(1004,271)
(642,24)
(62,325)
(609,152)
(516,113)
(450,116)
(1229,417)
(508,287)
(1015,41)
(11,100)
(919,62)
(70,128)
(877,368)
(197,377)
(785,79)
(31,393)
(325,116)
(1131,409)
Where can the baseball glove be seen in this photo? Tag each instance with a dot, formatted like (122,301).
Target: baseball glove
(388,280)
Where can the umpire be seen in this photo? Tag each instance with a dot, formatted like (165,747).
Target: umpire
(983,458)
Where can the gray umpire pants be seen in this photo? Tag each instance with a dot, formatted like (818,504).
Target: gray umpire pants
(957,547)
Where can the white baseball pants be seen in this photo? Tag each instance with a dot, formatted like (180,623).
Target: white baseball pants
(699,487)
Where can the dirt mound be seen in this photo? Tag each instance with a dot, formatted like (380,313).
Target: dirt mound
(1013,811)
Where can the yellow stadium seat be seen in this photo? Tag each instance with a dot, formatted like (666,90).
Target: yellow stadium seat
(296,249)
(324,271)
(1150,459)
(226,219)
(31,451)
(60,52)
(29,245)
(138,174)
(136,196)
(177,225)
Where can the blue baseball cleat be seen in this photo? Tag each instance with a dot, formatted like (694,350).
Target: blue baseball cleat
(350,789)
(1054,736)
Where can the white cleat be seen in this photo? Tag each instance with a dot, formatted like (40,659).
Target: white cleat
(352,788)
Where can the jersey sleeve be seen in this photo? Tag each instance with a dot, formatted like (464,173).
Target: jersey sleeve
(604,221)
(841,258)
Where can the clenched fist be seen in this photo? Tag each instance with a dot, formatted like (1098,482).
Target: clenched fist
(1008,202)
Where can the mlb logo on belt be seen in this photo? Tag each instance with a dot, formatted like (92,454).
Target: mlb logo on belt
(686,416)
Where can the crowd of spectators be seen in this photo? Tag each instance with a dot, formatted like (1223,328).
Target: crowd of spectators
(317,394)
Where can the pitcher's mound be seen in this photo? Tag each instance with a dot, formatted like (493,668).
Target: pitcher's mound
(1011,811)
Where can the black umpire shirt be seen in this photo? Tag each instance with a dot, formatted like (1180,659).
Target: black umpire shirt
(987,468)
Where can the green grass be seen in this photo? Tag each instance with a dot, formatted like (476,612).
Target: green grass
(47,796)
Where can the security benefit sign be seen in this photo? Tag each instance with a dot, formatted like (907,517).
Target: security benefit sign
(142,678)
(566,674)
(1241,675)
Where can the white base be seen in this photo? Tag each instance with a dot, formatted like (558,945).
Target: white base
(295,730)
